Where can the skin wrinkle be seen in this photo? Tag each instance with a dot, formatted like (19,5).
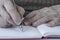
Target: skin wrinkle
(49,15)
(9,14)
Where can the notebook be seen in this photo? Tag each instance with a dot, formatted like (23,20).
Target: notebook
(29,32)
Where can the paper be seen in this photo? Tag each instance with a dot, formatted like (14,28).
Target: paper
(46,31)
(43,29)
(29,32)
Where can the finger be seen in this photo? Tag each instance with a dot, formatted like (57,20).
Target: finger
(30,15)
(41,21)
(12,12)
(4,13)
(33,19)
(21,10)
(54,22)
(27,23)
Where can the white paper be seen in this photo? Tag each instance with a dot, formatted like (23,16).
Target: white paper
(30,32)
(46,31)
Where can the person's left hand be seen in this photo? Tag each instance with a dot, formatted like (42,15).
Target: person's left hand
(42,16)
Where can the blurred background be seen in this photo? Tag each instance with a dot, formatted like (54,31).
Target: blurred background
(30,5)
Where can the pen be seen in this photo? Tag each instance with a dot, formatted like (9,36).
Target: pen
(21,27)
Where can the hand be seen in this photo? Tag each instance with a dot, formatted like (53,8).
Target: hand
(9,14)
(44,15)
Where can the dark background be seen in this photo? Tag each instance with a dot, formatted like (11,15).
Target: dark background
(30,5)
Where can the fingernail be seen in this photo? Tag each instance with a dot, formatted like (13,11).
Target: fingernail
(34,24)
(27,23)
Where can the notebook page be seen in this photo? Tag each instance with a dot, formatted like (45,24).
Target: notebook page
(30,32)
(54,31)
(45,30)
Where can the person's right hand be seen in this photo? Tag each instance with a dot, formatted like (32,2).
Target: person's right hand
(44,15)
(10,13)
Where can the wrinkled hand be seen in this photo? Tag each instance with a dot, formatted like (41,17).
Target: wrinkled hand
(44,15)
(10,14)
